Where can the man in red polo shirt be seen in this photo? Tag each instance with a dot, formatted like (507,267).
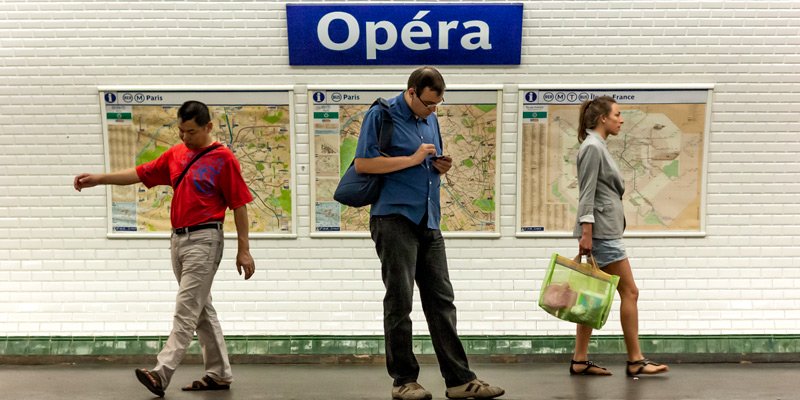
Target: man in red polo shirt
(202,193)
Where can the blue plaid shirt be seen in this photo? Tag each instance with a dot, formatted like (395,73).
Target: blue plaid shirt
(410,192)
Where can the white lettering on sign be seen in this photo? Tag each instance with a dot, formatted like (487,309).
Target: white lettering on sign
(444,33)
(482,35)
(372,43)
(424,32)
(415,35)
(352,31)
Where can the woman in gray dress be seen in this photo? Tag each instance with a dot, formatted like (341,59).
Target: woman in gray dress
(599,227)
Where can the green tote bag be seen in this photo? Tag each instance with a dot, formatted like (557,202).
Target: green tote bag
(577,292)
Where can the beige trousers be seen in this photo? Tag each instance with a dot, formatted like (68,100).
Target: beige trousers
(195,259)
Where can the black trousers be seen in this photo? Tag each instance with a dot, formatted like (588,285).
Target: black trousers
(411,253)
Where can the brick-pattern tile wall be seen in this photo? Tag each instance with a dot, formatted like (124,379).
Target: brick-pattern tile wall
(59,274)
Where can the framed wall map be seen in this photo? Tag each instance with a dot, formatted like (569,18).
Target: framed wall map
(661,152)
(469,123)
(139,124)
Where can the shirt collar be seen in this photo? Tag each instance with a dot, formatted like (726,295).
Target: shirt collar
(405,110)
(594,133)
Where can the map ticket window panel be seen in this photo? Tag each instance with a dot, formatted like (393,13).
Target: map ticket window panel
(140,125)
(468,121)
(660,151)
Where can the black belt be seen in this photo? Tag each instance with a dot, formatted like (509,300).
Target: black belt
(181,231)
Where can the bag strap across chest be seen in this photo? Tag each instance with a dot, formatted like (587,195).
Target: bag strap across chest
(386,128)
(196,157)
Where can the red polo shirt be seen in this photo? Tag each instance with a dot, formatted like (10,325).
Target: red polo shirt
(212,184)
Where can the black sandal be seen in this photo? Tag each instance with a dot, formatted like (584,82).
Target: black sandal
(588,370)
(642,364)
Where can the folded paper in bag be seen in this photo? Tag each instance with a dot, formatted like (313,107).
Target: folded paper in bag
(558,296)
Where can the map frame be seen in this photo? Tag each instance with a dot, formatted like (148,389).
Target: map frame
(388,91)
(210,95)
(525,90)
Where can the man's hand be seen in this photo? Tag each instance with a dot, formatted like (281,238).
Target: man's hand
(443,164)
(85,181)
(423,152)
(124,177)
(243,258)
(245,261)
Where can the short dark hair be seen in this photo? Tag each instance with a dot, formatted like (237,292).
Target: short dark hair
(426,77)
(194,110)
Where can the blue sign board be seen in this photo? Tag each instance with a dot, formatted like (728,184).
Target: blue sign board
(405,34)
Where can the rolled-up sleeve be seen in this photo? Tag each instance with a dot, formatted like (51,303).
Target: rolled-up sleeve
(588,168)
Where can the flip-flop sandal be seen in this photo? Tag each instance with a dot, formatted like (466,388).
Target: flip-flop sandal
(591,369)
(206,383)
(640,370)
(151,381)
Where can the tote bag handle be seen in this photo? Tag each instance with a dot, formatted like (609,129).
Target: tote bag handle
(589,268)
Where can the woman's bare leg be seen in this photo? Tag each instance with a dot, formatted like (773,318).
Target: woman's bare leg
(629,313)
(582,335)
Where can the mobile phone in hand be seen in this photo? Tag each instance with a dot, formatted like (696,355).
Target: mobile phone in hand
(438,157)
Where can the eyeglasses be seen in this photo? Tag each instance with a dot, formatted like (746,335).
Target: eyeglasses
(429,106)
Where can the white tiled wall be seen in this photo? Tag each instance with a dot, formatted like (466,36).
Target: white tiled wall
(60,275)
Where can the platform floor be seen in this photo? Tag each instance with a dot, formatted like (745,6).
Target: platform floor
(333,382)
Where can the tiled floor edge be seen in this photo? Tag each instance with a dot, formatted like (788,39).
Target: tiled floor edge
(332,346)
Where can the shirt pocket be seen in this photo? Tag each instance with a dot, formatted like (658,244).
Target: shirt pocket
(603,218)
(604,208)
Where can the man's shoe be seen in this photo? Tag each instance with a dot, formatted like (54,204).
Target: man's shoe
(474,389)
(410,391)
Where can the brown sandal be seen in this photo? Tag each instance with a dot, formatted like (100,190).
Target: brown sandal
(206,383)
(591,369)
(151,381)
(642,364)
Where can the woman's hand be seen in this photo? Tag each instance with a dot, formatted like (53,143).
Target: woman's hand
(585,245)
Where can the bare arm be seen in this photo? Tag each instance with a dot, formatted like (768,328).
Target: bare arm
(124,177)
(385,165)
(243,257)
